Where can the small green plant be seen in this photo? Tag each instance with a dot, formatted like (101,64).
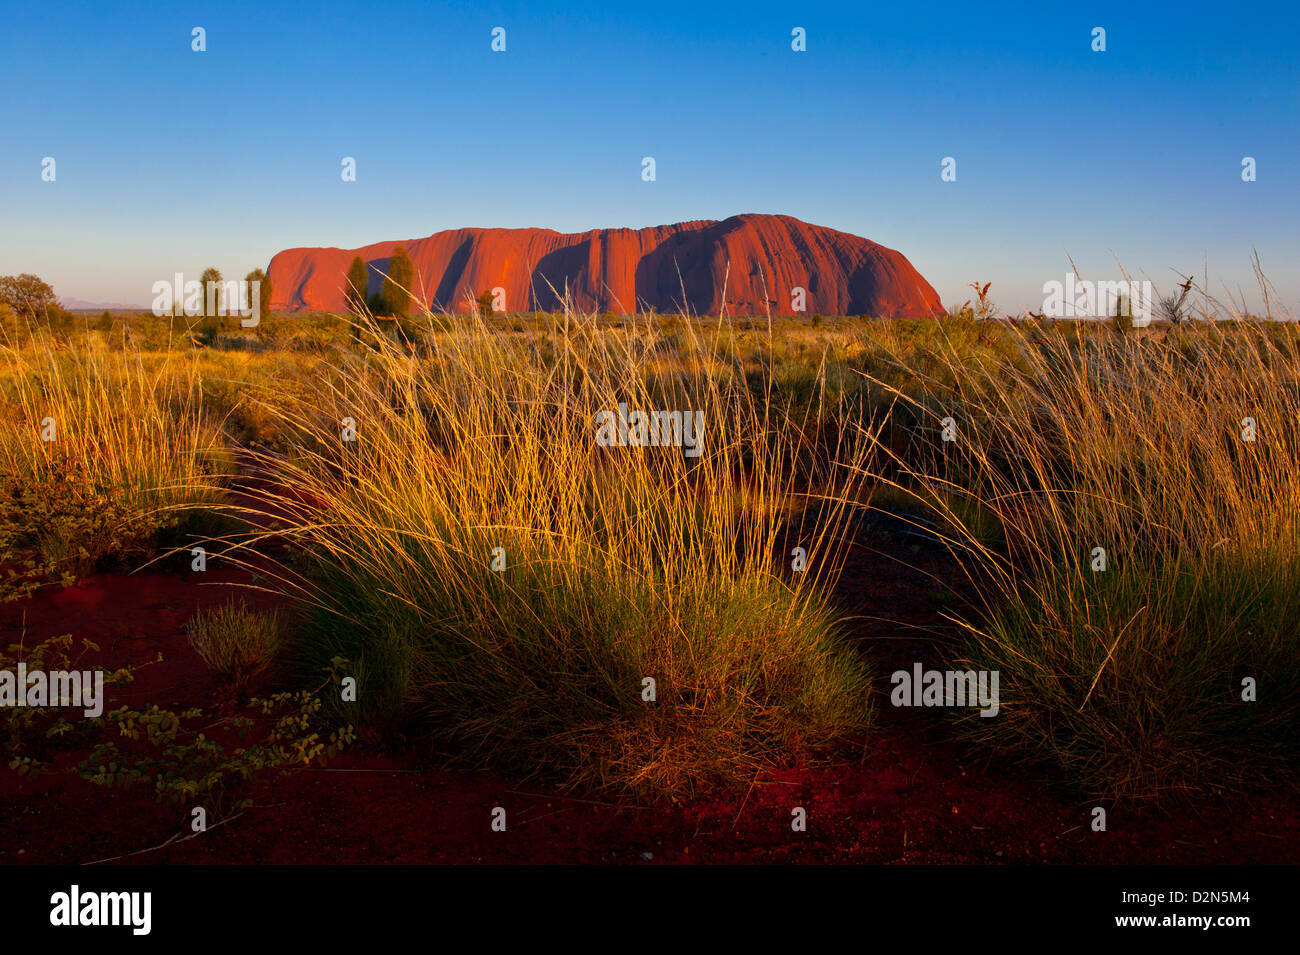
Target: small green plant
(183,763)
(27,732)
(179,753)
(235,641)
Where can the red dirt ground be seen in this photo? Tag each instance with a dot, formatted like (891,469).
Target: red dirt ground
(909,795)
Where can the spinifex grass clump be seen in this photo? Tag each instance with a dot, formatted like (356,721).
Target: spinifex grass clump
(1148,486)
(617,617)
(236,642)
(99,452)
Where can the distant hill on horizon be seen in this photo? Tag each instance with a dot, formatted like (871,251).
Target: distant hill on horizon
(81,305)
(753,263)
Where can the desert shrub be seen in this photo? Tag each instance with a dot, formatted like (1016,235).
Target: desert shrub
(64,528)
(105,451)
(205,330)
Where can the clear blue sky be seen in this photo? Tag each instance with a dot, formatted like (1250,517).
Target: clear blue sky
(170,160)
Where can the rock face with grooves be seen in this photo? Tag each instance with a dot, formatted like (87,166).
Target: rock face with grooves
(753,263)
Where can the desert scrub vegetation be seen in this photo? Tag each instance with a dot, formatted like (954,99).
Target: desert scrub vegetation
(180,754)
(501,583)
(617,618)
(236,642)
(1143,604)
(102,452)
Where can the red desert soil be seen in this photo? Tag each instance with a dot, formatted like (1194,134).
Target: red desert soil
(908,796)
(758,260)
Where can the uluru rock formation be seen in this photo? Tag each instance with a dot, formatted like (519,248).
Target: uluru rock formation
(753,263)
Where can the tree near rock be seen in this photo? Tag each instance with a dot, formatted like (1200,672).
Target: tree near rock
(357,281)
(398,282)
(211,299)
(263,282)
